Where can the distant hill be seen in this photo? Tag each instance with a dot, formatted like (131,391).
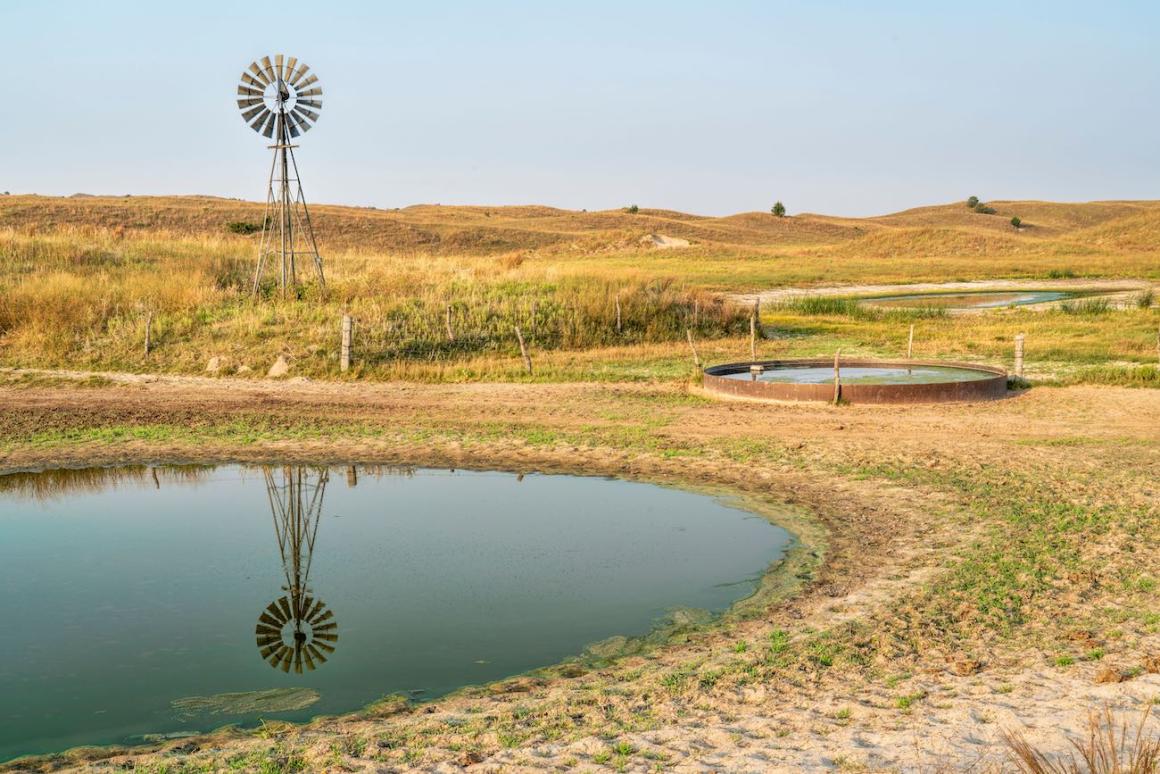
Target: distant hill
(436,229)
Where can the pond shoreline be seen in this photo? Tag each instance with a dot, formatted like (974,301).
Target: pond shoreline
(825,665)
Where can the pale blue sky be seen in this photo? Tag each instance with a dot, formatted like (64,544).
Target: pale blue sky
(838,107)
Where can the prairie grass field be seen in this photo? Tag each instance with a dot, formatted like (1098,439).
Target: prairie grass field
(437,292)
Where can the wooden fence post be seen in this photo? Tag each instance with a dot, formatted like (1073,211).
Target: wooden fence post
(1019,355)
(753,334)
(757,316)
(148,332)
(524,350)
(347,336)
(447,321)
(692,346)
(618,328)
(837,378)
(910,344)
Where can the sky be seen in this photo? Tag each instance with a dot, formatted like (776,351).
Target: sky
(848,108)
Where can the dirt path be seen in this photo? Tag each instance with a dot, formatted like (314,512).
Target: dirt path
(702,703)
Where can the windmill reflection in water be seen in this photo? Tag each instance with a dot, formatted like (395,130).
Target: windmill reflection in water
(296,630)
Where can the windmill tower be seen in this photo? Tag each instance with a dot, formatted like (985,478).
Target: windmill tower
(280,100)
(296,629)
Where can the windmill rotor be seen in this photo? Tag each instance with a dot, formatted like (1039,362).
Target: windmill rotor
(271,89)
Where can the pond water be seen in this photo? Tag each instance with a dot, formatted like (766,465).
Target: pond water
(134,598)
(865,375)
(974,300)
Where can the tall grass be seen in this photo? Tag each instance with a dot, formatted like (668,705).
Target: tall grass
(1086,306)
(832,306)
(1108,748)
(82,295)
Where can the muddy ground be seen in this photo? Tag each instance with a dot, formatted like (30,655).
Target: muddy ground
(890,663)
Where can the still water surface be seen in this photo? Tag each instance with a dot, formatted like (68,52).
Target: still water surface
(865,375)
(128,592)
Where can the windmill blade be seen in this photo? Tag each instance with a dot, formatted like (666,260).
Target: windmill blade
(328,615)
(284,605)
(249,115)
(268,132)
(278,59)
(273,615)
(247,91)
(257,124)
(303,124)
(318,654)
(249,102)
(291,63)
(263,630)
(309,658)
(292,126)
(307,113)
(250,80)
(315,92)
(323,646)
(268,69)
(302,70)
(311,80)
(310,103)
(287,657)
(258,74)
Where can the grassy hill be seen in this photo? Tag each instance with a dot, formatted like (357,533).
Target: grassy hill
(81,275)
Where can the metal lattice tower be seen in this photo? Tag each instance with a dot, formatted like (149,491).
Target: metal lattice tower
(296,629)
(280,100)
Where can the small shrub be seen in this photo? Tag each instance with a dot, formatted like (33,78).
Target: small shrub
(1061,274)
(778,209)
(632,209)
(983,209)
(1016,222)
(1145,299)
(243,227)
(972,202)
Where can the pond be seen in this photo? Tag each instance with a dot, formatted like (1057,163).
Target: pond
(168,600)
(972,300)
(917,374)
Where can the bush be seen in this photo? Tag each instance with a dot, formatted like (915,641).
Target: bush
(1144,300)
(983,209)
(632,209)
(972,202)
(778,209)
(243,227)
(1016,222)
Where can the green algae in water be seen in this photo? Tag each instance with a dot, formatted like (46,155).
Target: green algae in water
(973,300)
(139,592)
(246,703)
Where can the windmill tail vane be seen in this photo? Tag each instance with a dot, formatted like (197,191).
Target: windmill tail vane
(281,100)
(296,630)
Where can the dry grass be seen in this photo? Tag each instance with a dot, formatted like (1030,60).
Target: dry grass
(79,277)
(1108,749)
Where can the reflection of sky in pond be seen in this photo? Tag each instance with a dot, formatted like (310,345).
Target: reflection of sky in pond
(865,375)
(123,596)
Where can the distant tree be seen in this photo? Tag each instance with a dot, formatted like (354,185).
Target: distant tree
(972,202)
(1016,221)
(778,209)
(632,209)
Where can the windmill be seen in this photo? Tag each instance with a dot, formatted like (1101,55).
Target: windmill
(296,629)
(280,100)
